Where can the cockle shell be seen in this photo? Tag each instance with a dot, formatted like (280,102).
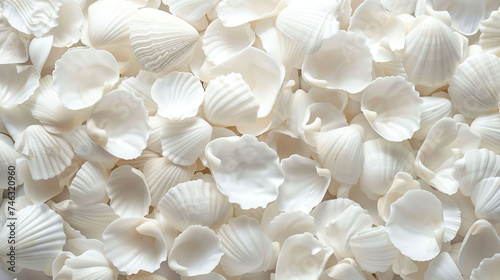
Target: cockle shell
(345,269)
(14,48)
(287,224)
(488,127)
(490,33)
(141,87)
(476,165)
(433,109)
(89,184)
(236,12)
(486,196)
(191,10)
(444,267)
(92,263)
(16,84)
(8,157)
(373,249)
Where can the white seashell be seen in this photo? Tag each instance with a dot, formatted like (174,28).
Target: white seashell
(373,249)
(286,144)
(161,41)
(92,263)
(70,21)
(392,107)
(140,161)
(221,42)
(337,98)
(118,122)
(141,275)
(191,10)
(89,184)
(236,162)
(473,89)
(345,269)
(39,51)
(385,32)
(14,47)
(183,142)
(418,236)
(234,12)
(195,203)
(32,17)
(443,267)
(17,85)
(475,166)
(488,268)
(395,66)
(287,224)
(481,242)
(229,101)
(39,238)
(205,256)
(246,247)
(377,178)
(135,243)
(305,184)
(82,76)
(87,149)
(400,7)
(446,142)
(452,215)
(490,34)
(162,175)
(141,87)
(432,52)
(485,198)
(302,256)
(433,109)
(8,157)
(128,191)
(47,155)
(210,276)
(217,132)
(321,117)
(488,127)
(300,102)
(154,140)
(343,62)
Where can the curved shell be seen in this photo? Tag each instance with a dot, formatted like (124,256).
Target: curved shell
(87,149)
(88,265)
(400,7)
(488,127)
(68,30)
(191,10)
(82,76)
(141,87)
(8,157)
(373,250)
(488,268)
(15,47)
(433,109)
(486,198)
(443,267)
(89,184)
(32,17)
(476,165)
(161,41)
(287,224)
(402,183)
(490,34)
(235,12)
(474,88)
(392,107)
(16,86)
(178,95)
(205,256)
(195,203)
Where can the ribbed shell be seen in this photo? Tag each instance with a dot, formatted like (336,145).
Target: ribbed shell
(32,16)
(486,198)
(475,166)
(488,127)
(490,34)
(89,184)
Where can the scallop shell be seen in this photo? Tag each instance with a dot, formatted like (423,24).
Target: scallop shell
(195,203)
(321,117)
(14,47)
(161,41)
(32,17)
(343,62)
(82,76)
(87,149)
(476,165)
(8,157)
(287,224)
(39,238)
(488,127)
(229,101)
(485,197)
(89,184)
(141,87)
(178,95)
(234,12)
(490,34)
(345,269)
(191,10)
(286,144)
(443,267)
(433,109)
(70,20)
(202,260)
(402,183)
(119,124)
(90,264)
(432,52)
(300,102)
(474,89)
(400,7)
(135,243)
(235,162)
(488,268)
(246,247)
(373,249)
(17,86)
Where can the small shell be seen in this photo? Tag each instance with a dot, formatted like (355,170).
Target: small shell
(16,86)
(178,95)
(14,47)
(490,34)
(32,17)
(89,150)
(321,117)
(443,267)
(286,144)
(82,76)
(343,62)
(92,263)
(287,224)
(300,102)
(475,166)
(236,162)
(337,98)
(474,89)
(141,87)
(195,203)
(161,41)
(68,30)
(433,109)
(234,12)
(196,251)
(89,184)
(486,199)
(488,127)
(373,249)
(488,268)
(191,10)
(392,107)
(135,243)
(402,183)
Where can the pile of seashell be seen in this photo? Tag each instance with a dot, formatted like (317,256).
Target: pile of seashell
(250,139)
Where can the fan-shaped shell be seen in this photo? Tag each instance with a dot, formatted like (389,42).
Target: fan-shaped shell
(161,41)
(141,87)
(443,267)
(191,10)
(16,87)
(488,268)
(32,17)
(433,109)
(488,127)
(14,48)
(486,198)
(87,149)
(287,224)
(373,249)
(89,184)
(490,34)
(475,166)
(90,264)
(235,12)
(68,30)
(8,157)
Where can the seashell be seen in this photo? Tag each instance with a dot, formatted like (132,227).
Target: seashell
(89,184)
(140,161)
(14,47)
(246,248)
(433,109)
(235,162)
(141,87)
(345,269)
(229,101)
(392,107)
(47,155)
(443,267)
(444,144)
(452,215)
(234,13)
(16,86)
(157,47)
(286,144)
(488,127)
(221,42)
(188,262)
(377,178)
(474,90)
(162,175)
(135,243)
(70,21)
(183,142)
(305,184)
(39,238)
(299,250)
(490,34)
(321,117)
(385,34)
(128,191)
(141,275)
(417,236)
(195,203)
(91,263)
(118,123)
(467,213)
(210,276)
(300,102)
(400,7)
(481,242)
(432,52)
(178,95)
(287,224)
(154,140)
(217,132)
(337,98)
(340,58)
(373,249)
(488,268)
(82,76)
(87,149)
(8,157)
(395,66)
(191,10)
(485,197)
(29,17)
(476,165)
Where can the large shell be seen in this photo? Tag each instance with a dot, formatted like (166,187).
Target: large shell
(32,17)
(490,34)
(475,166)
(161,41)
(488,127)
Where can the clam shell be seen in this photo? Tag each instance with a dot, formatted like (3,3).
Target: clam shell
(488,127)
(188,262)
(486,197)
(345,269)
(433,109)
(321,117)
(474,89)
(373,249)
(90,264)
(32,17)
(490,34)
(8,157)
(287,224)
(402,183)
(141,87)
(476,165)
(87,149)
(400,7)
(178,95)
(89,184)
(488,268)
(286,144)
(70,21)
(191,10)
(161,41)
(195,203)
(300,102)
(17,86)
(443,267)
(14,48)
(234,12)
